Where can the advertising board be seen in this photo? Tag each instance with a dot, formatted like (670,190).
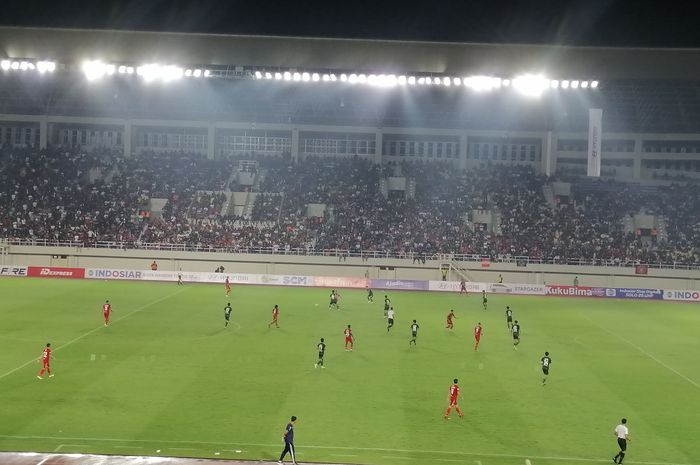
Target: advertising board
(575,291)
(17,271)
(633,293)
(399,284)
(679,295)
(55,272)
(340,282)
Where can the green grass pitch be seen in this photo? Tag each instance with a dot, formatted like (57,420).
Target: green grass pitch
(166,375)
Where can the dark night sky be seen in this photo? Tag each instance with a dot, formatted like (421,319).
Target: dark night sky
(583,22)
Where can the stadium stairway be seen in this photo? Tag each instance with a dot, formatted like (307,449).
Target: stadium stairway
(548,193)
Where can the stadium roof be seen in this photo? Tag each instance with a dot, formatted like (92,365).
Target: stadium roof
(75,45)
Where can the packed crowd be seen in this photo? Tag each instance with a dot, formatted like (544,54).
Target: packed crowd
(97,196)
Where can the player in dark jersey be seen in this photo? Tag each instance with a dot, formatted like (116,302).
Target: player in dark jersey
(509,317)
(334,301)
(414,333)
(546,361)
(387,304)
(515,329)
(370,295)
(227,313)
(484,299)
(321,346)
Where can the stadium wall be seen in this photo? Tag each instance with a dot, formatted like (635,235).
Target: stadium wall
(403,269)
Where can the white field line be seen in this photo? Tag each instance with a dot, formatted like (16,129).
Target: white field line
(367,449)
(44,460)
(632,344)
(82,336)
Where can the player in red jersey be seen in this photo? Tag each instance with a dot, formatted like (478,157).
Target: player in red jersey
(349,338)
(477,336)
(45,358)
(463,287)
(450,316)
(106,310)
(275,314)
(453,396)
(228,287)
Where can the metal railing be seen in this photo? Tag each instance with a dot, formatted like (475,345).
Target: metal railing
(343,254)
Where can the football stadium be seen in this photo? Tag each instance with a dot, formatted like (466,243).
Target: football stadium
(260,249)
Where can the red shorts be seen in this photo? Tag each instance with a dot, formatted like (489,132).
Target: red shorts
(478,338)
(106,314)
(453,402)
(46,363)
(348,339)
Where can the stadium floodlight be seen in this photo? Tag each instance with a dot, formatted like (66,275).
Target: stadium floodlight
(594,84)
(361,78)
(122,70)
(170,73)
(315,77)
(5,64)
(531,85)
(188,73)
(391,80)
(325,78)
(305,77)
(481,83)
(372,79)
(457,81)
(446,81)
(110,69)
(352,79)
(411,80)
(207,73)
(287,76)
(278,76)
(574,84)
(333,77)
(258,75)
(268,75)
(506,83)
(45,66)
(421,81)
(584,84)
(129,70)
(197,73)
(401,80)
(554,84)
(23,65)
(344,77)
(565,84)
(94,69)
(296,76)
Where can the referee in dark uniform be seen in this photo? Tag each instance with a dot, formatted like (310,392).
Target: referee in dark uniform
(623,436)
(289,441)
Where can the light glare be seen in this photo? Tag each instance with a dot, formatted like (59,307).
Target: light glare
(531,85)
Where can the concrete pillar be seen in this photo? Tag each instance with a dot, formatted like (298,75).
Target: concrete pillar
(127,139)
(378,146)
(211,141)
(295,144)
(548,164)
(463,151)
(43,132)
(637,161)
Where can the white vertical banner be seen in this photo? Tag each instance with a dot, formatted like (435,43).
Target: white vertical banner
(595,136)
